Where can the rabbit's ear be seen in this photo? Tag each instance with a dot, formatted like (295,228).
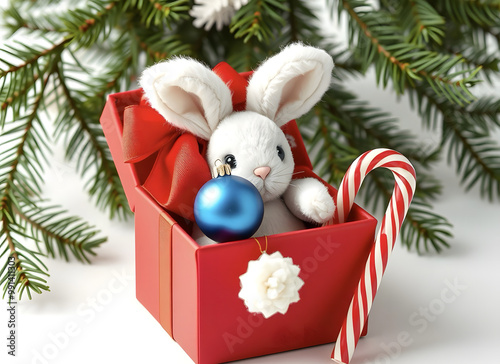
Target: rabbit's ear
(287,85)
(189,95)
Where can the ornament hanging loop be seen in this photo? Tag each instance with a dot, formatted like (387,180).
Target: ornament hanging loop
(220,169)
(260,246)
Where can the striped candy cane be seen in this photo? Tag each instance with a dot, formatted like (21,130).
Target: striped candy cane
(369,282)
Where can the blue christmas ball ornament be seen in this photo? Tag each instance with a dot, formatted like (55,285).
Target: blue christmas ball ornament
(228,208)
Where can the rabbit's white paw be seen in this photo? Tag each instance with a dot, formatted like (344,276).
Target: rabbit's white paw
(317,204)
(320,207)
(309,200)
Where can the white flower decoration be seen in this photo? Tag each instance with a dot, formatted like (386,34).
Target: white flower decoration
(270,284)
(220,12)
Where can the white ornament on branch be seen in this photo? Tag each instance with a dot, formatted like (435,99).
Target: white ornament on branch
(270,284)
(219,12)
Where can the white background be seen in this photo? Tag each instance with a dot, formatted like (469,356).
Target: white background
(91,314)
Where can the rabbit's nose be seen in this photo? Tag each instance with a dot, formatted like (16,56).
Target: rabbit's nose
(262,172)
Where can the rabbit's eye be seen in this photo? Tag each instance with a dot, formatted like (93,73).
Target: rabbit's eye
(281,152)
(231,160)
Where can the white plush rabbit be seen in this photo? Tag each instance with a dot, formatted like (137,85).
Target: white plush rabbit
(286,86)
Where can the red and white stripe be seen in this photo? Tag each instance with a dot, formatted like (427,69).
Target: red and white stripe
(369,282)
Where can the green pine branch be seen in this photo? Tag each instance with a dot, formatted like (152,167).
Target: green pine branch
(29,76)
(484,113)
(475,56)
(85,142)
(423,23)
(473,44)
(471,12)
(425,229)
(467,133)
(368,127)
(40,22)
(381,41)
(302,23)
(158,45)
(159,13)
(29,268)
(477,157)
(59,232)
(22,220)
(286,22)
(17,80)
(95,22)
(260,19)
(17,186)
(244,57)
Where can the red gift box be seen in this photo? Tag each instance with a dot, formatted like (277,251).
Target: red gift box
(193,291)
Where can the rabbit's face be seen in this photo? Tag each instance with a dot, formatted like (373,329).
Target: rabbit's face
(256,149)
